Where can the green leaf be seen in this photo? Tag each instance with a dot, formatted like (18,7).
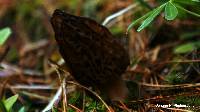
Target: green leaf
(151,17)
(196,0)
(188,2)
(188,47)
(190,12)
(2,107)
(189,35)
(138,20)
(10,102)
(4,34)
(170,11)
(22,109)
